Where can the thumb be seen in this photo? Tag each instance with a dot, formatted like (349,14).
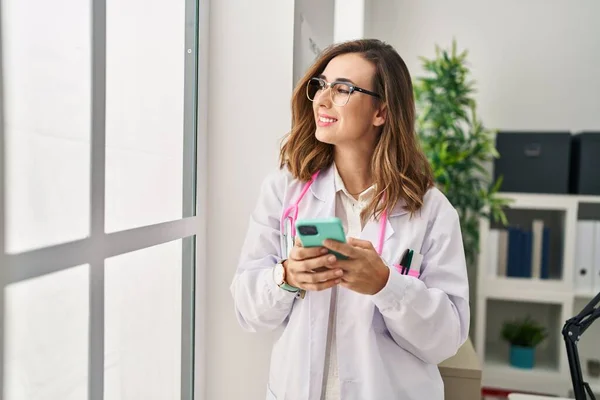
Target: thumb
(297,242)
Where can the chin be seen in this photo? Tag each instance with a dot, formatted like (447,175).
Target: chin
(324,136)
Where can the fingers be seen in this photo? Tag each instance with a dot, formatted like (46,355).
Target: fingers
(322,286)
(312,264)
(315,273)
(296,267)
(319,280)
(304,253)
(342,248)
(308,278)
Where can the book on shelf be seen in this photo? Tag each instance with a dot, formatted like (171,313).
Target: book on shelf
(520,252)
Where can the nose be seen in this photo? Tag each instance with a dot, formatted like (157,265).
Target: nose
(323,98)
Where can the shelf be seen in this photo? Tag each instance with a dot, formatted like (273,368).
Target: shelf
(527,289)
(497,354)
(550,301)
(584,294)
(498,374)
(544,200)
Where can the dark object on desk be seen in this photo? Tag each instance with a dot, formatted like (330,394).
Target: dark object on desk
(533,162)
(572,332)
(585,163)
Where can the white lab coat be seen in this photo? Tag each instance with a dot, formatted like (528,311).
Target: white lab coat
(389,344)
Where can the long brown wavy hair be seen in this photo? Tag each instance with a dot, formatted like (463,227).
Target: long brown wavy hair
(399,167)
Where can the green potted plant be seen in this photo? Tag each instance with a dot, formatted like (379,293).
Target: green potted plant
(458,146)
(523,335)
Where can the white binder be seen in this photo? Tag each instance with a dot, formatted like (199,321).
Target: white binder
(585,256)
(596,278)
(537,228)
(493,236)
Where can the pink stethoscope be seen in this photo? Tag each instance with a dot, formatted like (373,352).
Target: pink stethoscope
(290,214)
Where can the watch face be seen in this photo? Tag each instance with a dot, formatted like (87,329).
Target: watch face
(278,274)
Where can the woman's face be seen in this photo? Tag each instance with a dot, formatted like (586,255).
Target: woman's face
(357,122)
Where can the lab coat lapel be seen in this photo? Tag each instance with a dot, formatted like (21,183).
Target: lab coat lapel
(322,201)
(372,229)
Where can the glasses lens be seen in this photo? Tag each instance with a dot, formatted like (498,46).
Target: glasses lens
(314,86)
(340,93)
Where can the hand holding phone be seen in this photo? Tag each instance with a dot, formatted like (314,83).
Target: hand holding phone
(310,266)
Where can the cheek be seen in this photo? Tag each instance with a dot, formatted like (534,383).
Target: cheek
(355,120)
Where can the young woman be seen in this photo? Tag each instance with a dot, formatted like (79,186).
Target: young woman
(370,326)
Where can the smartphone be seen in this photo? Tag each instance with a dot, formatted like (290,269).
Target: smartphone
(313,232)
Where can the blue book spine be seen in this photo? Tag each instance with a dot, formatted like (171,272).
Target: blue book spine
(527,239)
(514,252)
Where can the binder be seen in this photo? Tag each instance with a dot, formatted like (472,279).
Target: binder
(493,238)
(537,228)
(502,252)
(596,278)
(585,256)
(515,252)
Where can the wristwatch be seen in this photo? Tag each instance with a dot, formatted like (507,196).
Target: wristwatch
(279,278)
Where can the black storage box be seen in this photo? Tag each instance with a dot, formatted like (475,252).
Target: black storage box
(533,162)
(585,163)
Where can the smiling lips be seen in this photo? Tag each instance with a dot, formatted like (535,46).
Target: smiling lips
(325,120)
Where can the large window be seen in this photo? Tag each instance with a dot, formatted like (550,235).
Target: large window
(100,192)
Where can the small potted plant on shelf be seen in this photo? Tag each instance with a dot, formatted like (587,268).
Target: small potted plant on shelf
(523,335)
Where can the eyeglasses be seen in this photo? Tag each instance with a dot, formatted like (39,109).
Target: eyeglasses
(340,91)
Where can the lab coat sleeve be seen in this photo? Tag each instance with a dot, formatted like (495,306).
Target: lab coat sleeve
(260,305)
(429,316)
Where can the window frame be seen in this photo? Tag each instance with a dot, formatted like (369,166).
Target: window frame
(99,245)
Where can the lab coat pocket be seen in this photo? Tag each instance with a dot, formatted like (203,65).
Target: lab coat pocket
(270,394)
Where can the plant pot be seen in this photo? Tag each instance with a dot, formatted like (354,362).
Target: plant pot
(522,357)
(593,367)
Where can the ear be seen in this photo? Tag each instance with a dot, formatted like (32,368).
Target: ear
(380,115)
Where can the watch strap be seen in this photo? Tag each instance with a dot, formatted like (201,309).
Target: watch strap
(289,288)
(286,286)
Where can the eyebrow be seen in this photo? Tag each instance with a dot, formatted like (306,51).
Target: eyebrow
(338,79)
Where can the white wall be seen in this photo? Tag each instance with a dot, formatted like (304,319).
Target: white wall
(250,82)
(313,24)
(536,62)
(349,23)
(534,75)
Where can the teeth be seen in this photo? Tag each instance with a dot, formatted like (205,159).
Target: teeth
(329,120)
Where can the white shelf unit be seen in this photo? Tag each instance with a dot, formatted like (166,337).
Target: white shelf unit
(500,298)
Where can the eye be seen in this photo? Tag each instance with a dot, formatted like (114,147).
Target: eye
(342,88)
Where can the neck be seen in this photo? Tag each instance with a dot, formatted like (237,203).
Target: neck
(354,168)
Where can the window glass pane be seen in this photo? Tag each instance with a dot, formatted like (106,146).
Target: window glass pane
(46,343)
(145,112)
(143,324)
(46,61)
